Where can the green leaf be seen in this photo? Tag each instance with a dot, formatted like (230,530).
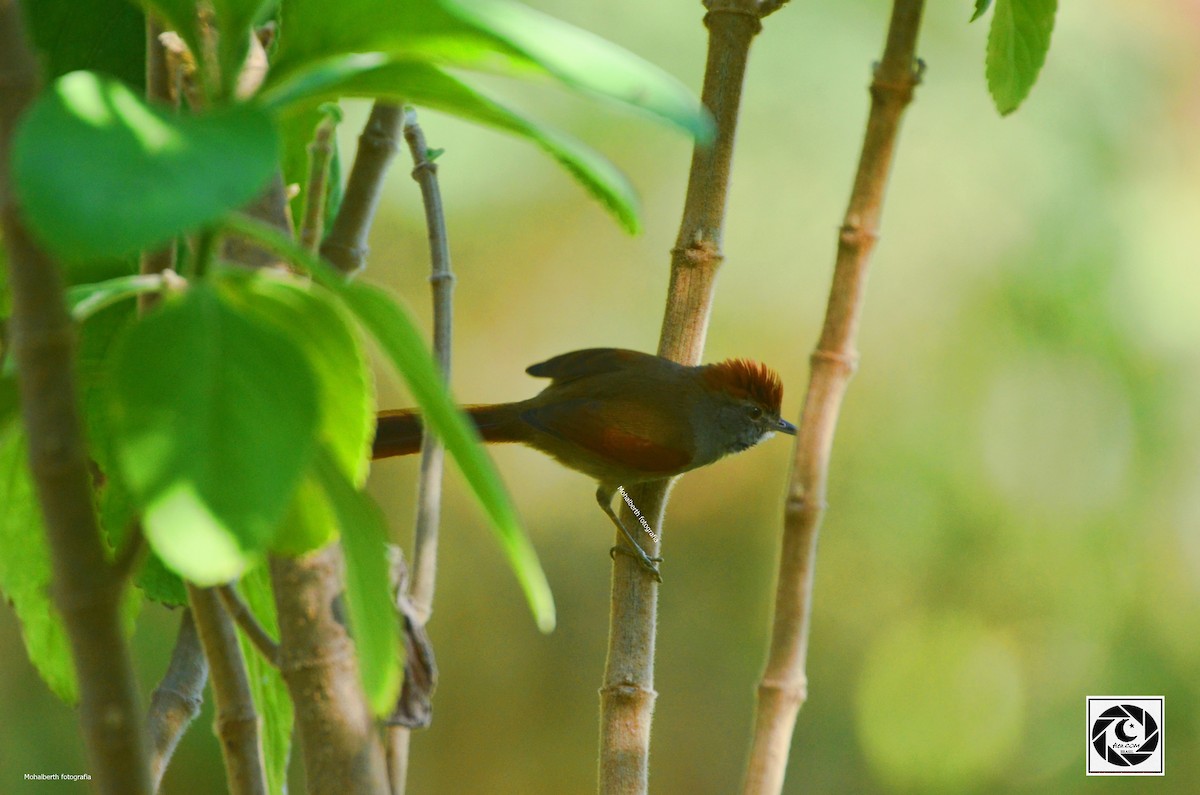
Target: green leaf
(426,86)
(100,173)
(981,7)
(320,329)
(271,698)
(86,300)
(391,326)
(1017,45)
(373,617)
(215,415)
(490,35)
(25,569)
(309,523)
(106,36)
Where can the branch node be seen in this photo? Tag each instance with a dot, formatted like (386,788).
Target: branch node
(792,692)
(854,234)
(732,7)
(701,253)
(847,362)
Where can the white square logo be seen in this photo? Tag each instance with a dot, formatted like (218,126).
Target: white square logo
(1125,736)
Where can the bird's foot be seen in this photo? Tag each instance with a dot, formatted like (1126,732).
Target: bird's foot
(648,563)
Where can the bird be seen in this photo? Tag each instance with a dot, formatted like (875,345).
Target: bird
(622,417)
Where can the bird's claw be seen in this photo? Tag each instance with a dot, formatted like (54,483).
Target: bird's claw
(648,563)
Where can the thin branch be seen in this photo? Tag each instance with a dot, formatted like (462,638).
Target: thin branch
(87,593)
(627,696)
(176,701)
(320,155)
(238,726)
(346,245)
(429,484)
(784,686)
(130,556)
(429,489)
(254,632)
(158,90)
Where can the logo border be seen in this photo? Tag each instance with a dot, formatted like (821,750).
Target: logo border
(1162,734)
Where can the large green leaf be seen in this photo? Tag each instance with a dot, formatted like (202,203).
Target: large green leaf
(271,698)
(491,35)
(392,328)
(320,329)
(100,173)
(1017,45)
(373,617)
(215,415)
(25,569)
(427,86)
(106,36)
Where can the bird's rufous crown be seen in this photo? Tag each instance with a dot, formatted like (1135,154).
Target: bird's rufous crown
(745,378)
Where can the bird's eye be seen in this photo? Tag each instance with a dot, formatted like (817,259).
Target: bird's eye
(754,411)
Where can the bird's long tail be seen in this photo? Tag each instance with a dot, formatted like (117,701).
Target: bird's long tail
(398,431)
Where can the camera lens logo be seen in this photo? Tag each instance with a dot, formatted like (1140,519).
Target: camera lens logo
(1125,735)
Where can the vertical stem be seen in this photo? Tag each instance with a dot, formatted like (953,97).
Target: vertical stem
(627,696)
(87,590)
(320,155)
(237,723)
(158,90)
(429,484)
(316,658)
(346,245)
(784,686)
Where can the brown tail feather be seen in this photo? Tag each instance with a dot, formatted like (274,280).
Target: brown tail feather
(398,431)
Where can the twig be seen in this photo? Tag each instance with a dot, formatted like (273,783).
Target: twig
(254,632)
(429,484)
(86,592)
(237,723)
(784,686)
(346,245)
(316,658)
(176,701)
(158,90)
(429,490)
(627,696)
(320,155)
(131,554)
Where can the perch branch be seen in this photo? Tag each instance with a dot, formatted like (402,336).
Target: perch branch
(784,686)
(627,695)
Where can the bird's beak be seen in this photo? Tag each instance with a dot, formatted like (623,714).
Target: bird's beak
(786,427)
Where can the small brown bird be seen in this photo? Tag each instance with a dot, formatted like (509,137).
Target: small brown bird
(623,417)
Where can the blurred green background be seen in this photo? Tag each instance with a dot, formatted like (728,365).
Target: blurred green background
(1015,494)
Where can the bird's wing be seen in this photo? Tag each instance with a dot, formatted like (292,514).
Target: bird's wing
(593,361)
(617,432)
